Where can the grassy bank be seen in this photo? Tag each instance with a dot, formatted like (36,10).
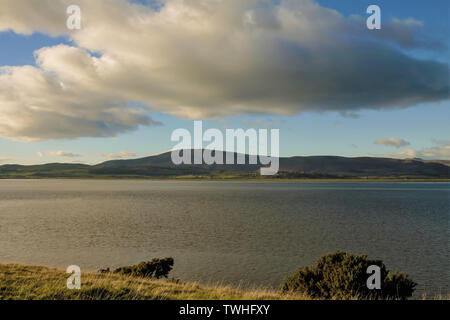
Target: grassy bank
(20,282)
(32,282)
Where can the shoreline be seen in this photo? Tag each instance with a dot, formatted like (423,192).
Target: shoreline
(230,179)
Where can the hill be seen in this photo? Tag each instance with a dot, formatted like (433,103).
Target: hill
(298,167)
(40,283)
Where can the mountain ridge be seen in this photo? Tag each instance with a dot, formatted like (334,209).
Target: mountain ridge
(161,165)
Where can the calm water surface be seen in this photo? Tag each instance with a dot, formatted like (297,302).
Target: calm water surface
(250,233)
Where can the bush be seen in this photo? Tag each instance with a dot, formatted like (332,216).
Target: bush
(156,268)
(343,275)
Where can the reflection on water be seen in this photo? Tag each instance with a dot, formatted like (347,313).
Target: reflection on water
(234,232)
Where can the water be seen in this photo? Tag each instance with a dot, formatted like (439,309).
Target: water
(248,233)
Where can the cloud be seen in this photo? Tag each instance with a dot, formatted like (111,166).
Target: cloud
(441,151)
(269,123)
(39,154)
(393,142)
(120,155)
(404,33)
(36,105)
(63,154)
(5,160)
(206,59)
(436,152)
(442,143)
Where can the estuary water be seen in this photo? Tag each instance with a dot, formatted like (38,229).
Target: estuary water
(246,233)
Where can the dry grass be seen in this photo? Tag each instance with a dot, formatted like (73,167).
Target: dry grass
(439,296)
(20,282)
(37,283)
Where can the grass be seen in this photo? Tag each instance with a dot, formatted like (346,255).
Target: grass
(20,282)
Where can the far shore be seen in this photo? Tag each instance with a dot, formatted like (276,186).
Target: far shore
(232,179)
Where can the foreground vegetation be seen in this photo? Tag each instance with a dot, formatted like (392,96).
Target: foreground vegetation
(338,275)
(40,283)
(344,275)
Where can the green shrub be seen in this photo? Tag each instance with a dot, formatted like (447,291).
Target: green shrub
(343,275)
(157,268)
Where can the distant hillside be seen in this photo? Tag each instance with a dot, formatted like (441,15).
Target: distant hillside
(161,166)
(365,166)
(444,162)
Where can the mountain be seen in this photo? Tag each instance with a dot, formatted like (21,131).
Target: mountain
(161,166)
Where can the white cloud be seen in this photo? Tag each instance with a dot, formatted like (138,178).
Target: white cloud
(405,154)
(208,58)
(393,142)
(440,152)
(435,153)
(5,160)
(39,154)
(119,155)
(63,154)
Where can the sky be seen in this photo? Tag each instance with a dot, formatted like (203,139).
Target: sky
(137,70)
